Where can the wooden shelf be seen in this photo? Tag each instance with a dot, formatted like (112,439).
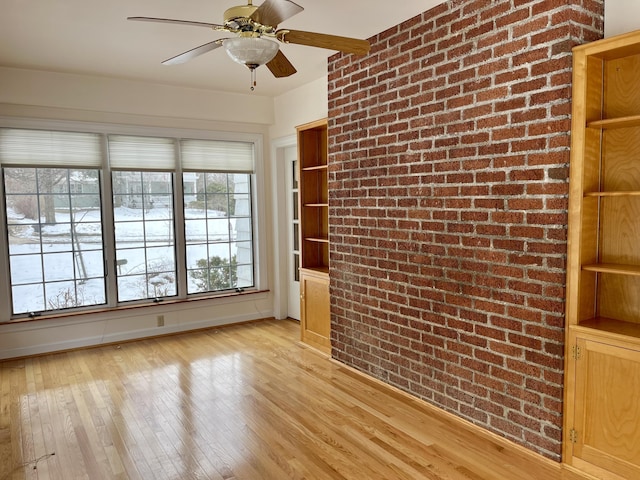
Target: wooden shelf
(317,239)
(315,167)
(630,193)
(611,123)
(613,268)
(609,325)
(322,270)
(313,194)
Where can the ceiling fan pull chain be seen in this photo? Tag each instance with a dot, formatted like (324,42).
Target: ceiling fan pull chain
(253,79)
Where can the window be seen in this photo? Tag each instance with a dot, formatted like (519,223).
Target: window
(218,215)
(55,239)
(167,217)
(143,216)
(218,232)
(144,235)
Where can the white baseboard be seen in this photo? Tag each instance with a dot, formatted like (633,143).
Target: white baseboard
(109,338)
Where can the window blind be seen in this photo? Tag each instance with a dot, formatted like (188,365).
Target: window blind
(217,156)
(47,149)
(141,153)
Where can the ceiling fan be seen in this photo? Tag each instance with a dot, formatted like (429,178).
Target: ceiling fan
(255,27)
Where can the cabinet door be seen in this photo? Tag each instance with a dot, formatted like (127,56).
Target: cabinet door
(315,310)
(607,409)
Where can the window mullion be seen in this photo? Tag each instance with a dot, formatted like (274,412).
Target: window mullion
(108,227)
(179,225)
(5,290)
(229,245)
(43,283)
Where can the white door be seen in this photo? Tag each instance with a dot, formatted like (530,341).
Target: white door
(293,233)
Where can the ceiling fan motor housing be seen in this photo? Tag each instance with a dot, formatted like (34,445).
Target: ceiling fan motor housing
(241,11)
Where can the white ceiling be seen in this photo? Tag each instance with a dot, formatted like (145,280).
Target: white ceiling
(93,37)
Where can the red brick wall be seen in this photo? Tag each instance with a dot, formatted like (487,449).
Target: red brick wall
(449,152)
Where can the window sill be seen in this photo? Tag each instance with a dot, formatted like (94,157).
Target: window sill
(124,308)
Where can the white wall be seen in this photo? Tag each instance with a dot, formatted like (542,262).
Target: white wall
(302,105)
(108,96)
(621,16)
(40,336)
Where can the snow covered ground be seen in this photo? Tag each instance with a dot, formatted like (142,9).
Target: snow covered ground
(47,259)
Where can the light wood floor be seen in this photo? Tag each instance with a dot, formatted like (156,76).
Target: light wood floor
(243,402)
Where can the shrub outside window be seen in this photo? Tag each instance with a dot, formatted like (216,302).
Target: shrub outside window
(218,232)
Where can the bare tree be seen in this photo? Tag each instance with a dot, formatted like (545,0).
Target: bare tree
(32,190)
(48,179)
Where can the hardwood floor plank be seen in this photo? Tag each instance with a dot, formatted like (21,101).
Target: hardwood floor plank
(39,417)
(245,402)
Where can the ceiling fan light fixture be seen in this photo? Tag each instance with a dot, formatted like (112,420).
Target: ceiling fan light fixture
(251,51)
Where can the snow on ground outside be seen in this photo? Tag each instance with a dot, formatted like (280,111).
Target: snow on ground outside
(58,262)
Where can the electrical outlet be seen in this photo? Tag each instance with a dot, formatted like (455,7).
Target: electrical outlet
(161,320)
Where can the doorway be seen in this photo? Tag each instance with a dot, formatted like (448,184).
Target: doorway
(293,236)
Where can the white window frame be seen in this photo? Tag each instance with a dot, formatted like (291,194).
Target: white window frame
(258,198)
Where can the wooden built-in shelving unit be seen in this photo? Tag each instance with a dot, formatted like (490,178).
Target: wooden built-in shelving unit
(314,235)
(602,407)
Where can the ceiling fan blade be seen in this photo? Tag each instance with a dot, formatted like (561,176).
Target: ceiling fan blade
(280,66)
(272,12)
(322,40)
(194,52)
(178,22)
